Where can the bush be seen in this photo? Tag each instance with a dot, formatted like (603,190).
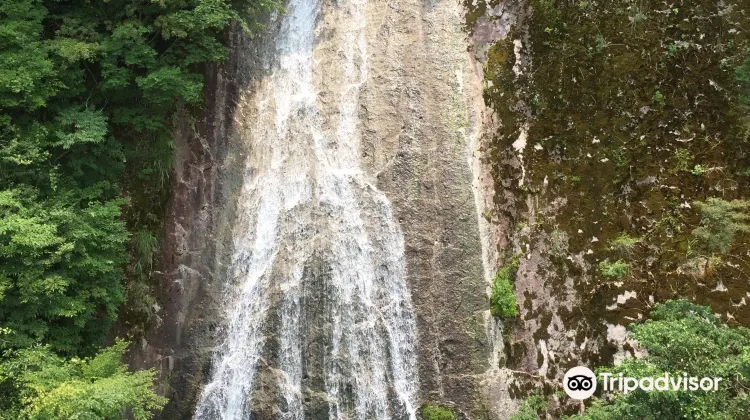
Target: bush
(617,269)
(531,408)
(437,412)
(683,337)
(49,387)
(503,302)
(720,221)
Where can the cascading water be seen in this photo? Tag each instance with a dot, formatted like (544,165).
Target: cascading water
(304,198)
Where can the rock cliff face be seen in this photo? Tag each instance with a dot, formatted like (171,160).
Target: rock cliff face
(612,121)
(421,128)
(197,243)
(423,123)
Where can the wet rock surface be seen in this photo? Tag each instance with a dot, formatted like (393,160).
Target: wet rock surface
(421,120)
(421,126)
(196,243)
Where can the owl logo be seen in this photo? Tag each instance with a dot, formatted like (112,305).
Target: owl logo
(579,383)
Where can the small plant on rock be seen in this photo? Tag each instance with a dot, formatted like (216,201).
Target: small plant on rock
(684,160)
(699,170)
(624,243)
(616,270)
(533,408)
(720,221)
(503,302)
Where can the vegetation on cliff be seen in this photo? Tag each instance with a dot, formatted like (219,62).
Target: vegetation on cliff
(88,94)
(720,221)
(633,184)
(433,411)
(636,120)
(683,338)
(503,302)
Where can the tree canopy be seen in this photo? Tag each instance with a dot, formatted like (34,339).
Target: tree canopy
(89,91)
(683,338)
(49,387)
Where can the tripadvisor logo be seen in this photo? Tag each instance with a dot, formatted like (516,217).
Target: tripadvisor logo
(580,383)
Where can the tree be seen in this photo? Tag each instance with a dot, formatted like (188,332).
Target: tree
(89,92)
(49,387)
(61,268)
(683,337)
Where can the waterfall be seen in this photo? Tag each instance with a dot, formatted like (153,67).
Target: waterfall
(304,197)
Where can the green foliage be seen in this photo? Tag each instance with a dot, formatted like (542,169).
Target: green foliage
(503,302)
(437,412)
(659,98)
(699,170)
(62,264)
(682,337)
(684,159)
(624,243)
(720,221)
(616,270)
(140,305)
(49,387)
(89,92)
(532,408)
(146,245)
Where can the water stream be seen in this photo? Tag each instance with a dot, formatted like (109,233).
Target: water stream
(305,198)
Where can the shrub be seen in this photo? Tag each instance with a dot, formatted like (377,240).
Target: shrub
(503,302)
(682,337)
(437,412)
(531,408)
(659,98)
(617,269)
(684,159)
(145,246)
(720,221)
